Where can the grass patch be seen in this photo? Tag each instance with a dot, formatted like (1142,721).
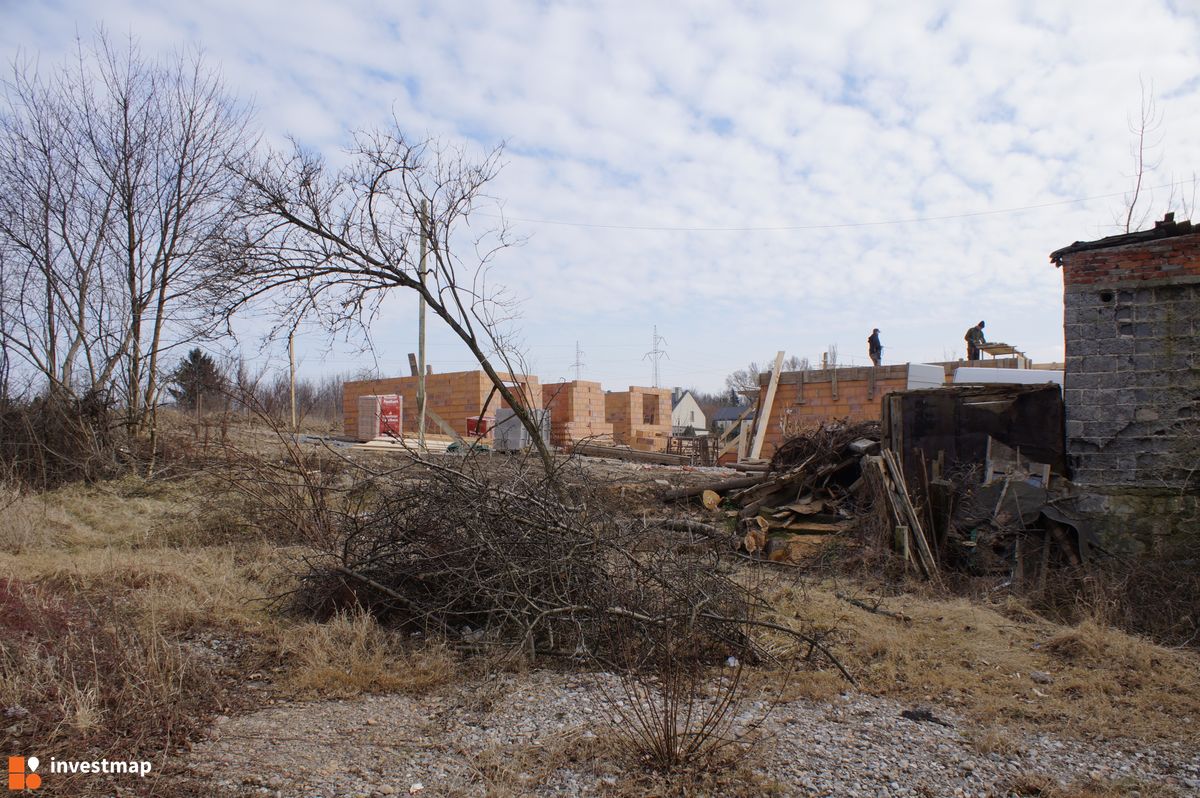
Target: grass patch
(351,654)
(978,660)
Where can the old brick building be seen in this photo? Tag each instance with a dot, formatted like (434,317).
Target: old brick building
(1132,382)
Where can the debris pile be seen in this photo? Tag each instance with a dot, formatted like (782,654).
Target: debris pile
(997,517)
(808,495)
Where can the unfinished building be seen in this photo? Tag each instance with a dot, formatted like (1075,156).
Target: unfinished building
(1132,381)
(804,399)
(640,417)
(453,398)
(577,412)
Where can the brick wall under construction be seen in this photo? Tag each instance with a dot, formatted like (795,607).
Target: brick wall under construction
(576,411)
(454,396)
(640,417)
(804,399)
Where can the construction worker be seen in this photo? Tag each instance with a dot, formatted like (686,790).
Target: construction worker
(874,348)
(975,340)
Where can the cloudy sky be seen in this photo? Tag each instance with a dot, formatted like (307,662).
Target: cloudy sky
(746,176)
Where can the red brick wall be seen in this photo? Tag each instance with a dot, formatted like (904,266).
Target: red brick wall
(859,397)
(625,410)
(454,396)
(1177,256)
(576,411)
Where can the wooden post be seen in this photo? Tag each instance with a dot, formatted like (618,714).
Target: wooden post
(421,334)
(760,429)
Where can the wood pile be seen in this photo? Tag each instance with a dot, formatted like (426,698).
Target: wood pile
(838,479)
(808,497)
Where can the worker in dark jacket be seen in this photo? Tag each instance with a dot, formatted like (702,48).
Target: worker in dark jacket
(874,348)
(975,340)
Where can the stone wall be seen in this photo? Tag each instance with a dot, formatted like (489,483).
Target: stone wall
(1132,381)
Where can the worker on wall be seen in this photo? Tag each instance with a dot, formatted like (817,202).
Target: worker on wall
(874,347)
(975,340)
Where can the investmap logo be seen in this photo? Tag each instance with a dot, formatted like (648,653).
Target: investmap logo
(22,773)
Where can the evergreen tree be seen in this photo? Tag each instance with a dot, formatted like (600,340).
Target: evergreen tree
(197,381)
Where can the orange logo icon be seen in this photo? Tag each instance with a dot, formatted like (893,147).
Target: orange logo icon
(18,778)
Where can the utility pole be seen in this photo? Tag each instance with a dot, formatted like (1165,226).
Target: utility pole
(421,334)
(656,353)
(292,375)
(578,362)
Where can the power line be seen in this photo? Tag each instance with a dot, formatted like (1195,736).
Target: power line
(833,226)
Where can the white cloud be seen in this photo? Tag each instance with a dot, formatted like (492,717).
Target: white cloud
(731,115)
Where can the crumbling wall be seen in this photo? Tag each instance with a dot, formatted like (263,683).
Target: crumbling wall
(1132,382)
(640,417)
(577,411)
(455,396)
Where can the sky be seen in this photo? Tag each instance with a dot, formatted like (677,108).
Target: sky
(743,177)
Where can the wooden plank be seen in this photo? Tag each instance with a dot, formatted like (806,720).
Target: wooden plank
(727,439)
(924,553)
(764,416)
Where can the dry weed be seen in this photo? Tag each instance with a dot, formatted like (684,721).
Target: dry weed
(1036,786)
(1089,643)
(27,523)
(352,654)
(978,660)
(517,769)
(994,741)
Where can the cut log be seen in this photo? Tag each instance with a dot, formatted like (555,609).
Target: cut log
(723,486)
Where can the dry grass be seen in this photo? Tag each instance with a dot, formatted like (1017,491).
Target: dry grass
(1045,787)
(137,610)
(351,654)
(978,659)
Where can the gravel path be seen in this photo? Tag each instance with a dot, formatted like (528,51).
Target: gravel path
(545,733)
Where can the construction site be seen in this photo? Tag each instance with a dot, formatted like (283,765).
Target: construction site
(248,551)
(1112,427)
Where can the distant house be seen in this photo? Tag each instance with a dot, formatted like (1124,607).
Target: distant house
(686,414)
(727,417)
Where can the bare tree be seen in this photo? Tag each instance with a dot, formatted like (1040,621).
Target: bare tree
(116,179)
(331,244)
(1146,132)
(748,379)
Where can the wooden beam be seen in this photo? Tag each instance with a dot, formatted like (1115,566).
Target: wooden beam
(764,416)
(728,439)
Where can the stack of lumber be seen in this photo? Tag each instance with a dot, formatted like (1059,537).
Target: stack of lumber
(407,443)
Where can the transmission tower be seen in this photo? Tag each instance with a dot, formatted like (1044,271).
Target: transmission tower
(578,364)
(656,353)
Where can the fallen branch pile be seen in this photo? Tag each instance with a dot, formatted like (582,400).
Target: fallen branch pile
(492,556)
